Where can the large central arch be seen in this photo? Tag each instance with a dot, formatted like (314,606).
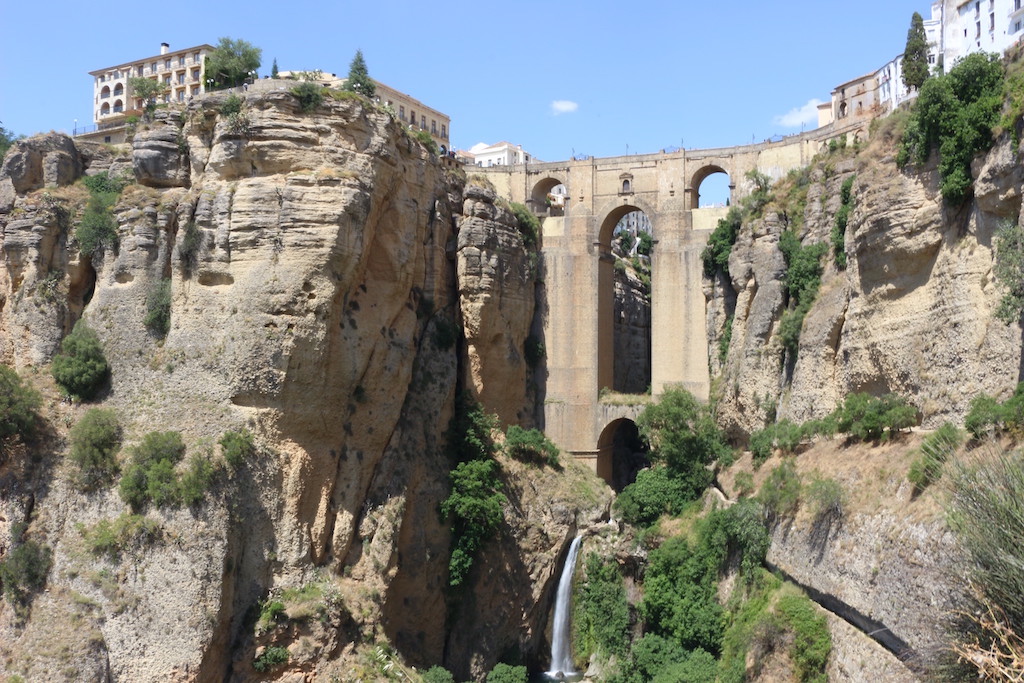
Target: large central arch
(621,453)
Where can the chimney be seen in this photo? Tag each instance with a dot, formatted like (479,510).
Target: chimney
(164,47)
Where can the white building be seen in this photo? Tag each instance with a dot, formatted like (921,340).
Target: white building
(976,26)
(499,154)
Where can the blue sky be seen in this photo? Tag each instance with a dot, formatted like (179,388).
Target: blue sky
(599,77)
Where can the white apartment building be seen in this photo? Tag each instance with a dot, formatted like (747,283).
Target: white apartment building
(975,26)
(181,71)
(499,154)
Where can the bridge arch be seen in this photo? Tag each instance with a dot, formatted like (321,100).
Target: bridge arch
(544,187)
(621,453)
(613,212)
(702,174)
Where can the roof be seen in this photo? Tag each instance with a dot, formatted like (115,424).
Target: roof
(132,62)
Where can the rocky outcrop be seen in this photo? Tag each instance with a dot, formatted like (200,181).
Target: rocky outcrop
(312,302)
(496,275)
(911,314)
(632,333)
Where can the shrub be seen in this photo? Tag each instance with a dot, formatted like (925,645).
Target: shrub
(232,105)
(151,477)
(842,219)
(725,340)
(438,674)
(683,435)
(506,673)
(24,570)
(654,493)
(95,441)
(812,641)
(80,368)
(188,251)
(744,484)
(475,508)
(271,658)
(784,435)
(127,532)
(867,418)
(237,447)
(935,450)
(272,612)
(601,619)
(309,94)
(826,499)
(529,226)
(530,445)
(158,308)
(424,138)
(19,406)
(716,254)
(803,278)
(780,493)
(97,228)
(983,416)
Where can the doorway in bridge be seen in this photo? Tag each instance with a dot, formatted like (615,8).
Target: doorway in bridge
(621,454)
(632,243)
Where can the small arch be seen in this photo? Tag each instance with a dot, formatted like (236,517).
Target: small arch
(612,218)
(711,186)
(105,109)
(118,106)
(105,92)
(548,193)
(621,453)
(118,90)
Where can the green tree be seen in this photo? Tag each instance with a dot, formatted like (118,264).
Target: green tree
(273,69)
(18,406)
(147,90)
(80,368)
(231,63)
(359,80)
(95,441)
(1009,271)
(915,54)
(7,138)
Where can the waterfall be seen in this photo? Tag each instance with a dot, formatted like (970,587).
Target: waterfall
(561,652)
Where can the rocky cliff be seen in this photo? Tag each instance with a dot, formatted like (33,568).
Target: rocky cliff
(315,302)
(912,313)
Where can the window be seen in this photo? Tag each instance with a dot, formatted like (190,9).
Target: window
(423,121)
(444,131)
(977,33)
(931,59)
(181,79)
(105,109)
(412,117)
(167,79)
(181,60)
(102,78)
(1016,27)
(118,106)
(195,90)
(181,95)
(195,56)
(139,70)
(991,22)
(401,112)
(105,93)
(118,89)
(626,186)
(433,127)
(167,64)
(195,74)
(152,68)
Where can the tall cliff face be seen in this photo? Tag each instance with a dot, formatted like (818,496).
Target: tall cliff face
(312,302)
(911,314)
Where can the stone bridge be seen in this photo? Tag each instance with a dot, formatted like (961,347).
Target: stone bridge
(578,269)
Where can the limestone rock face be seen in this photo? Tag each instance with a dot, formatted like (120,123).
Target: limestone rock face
(911,314)
(496,298)
(312,301)
(160,153)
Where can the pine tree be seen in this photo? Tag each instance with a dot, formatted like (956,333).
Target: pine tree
(915,55)
(273,69)
(359,80)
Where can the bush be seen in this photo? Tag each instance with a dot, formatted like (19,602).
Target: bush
(683,435)
(654,493)
(438,674)
(983,417)
(784,435)
(309,94)
(534,351)
(506,673)
(812,641)
(97,228)
(127,532)
(151,477)
(842,219)
(744,484)
(935,450)
(826,499)
(867,418)
(780,493)
(19,406)
(530,445)
(95,441)
(725,340)
(529,226)
(232,105)
(716,254)
(24,570)
(80,368)
(158,308)
(271,658)
(188,251)
(237,447)
(424,138)
(601,619)
(475,508)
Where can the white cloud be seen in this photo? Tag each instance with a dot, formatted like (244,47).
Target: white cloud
(563,107)
(794,118)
